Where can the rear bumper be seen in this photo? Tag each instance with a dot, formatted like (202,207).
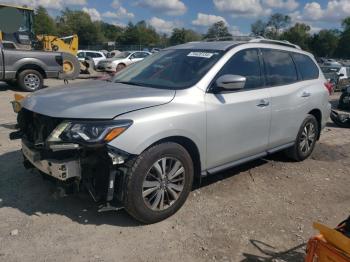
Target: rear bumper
(60,169)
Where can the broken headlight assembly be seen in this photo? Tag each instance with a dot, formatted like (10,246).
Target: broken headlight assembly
(88,132)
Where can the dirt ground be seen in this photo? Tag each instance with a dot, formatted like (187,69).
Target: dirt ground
(261,211)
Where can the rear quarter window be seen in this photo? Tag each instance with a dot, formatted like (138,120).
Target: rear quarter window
(307,68)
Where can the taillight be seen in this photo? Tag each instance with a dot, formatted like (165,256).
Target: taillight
(329,87)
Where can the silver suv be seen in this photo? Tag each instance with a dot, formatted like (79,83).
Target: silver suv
(143,138)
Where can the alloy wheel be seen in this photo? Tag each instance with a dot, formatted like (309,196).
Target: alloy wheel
(307,138)
(163,183)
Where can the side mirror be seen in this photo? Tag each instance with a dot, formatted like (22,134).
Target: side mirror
(341,75)
(231,82)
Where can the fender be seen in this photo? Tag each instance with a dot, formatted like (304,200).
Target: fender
(29,61)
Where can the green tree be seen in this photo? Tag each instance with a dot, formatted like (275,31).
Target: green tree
(182,35)
(111,32)
(343,49)
(298,34)
(258,28)
(218,30)
(44,24)
(78,22)
(273,28)
(276,24)
(140,34)
(324,43)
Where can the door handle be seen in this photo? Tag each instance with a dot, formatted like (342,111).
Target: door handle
(263,103)
(305,94)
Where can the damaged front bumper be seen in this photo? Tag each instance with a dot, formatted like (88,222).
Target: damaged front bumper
(60,169)
(101,171)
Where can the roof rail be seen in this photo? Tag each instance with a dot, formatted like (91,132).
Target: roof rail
(276,42)
(238,38)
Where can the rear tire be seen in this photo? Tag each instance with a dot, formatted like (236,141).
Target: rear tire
(158,182)
(30,80)
(305,141)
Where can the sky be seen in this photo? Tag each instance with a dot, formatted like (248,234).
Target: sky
(164,15)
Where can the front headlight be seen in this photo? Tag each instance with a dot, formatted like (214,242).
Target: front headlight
(88,132)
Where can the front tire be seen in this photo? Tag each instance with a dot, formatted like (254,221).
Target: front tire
(306,140)
(30,80)
(120,67)
(158,182)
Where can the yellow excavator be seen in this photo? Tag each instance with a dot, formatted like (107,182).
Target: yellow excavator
(16,26)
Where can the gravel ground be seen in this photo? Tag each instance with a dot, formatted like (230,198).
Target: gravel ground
(261,211)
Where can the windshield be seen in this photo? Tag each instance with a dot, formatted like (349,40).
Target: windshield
(122,55)
(170,69)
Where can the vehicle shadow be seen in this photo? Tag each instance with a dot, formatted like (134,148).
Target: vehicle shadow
(211,179)
(27,192)
(269,253)
(6,87)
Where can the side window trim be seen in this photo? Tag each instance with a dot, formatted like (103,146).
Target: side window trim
(299,77)
(262,68)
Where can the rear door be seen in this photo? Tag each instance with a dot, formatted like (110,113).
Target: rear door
(289,95)
(238,121)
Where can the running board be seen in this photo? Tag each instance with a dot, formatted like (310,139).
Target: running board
(245,160)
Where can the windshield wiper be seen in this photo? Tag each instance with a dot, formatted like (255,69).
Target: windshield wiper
(128,83)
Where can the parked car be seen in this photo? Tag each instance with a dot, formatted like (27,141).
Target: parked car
(340,76)
(113,53)
(28,68)
(186,112)
(9,45)
(331,62)
(96,56)
(155,50)
(122,60)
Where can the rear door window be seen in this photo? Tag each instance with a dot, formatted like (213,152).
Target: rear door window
(306,66)
(280,68)
(244,63)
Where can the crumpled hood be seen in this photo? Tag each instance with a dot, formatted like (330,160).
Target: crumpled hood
(94,99)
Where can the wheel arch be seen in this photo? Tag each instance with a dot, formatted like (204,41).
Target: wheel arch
(33,67)
(318,115)
(190,147)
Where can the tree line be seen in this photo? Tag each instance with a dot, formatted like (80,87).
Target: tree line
(325,43)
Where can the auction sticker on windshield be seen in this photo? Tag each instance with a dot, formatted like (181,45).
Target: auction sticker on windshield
(201,54)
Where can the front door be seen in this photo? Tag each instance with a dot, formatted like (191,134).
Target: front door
(238,121)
